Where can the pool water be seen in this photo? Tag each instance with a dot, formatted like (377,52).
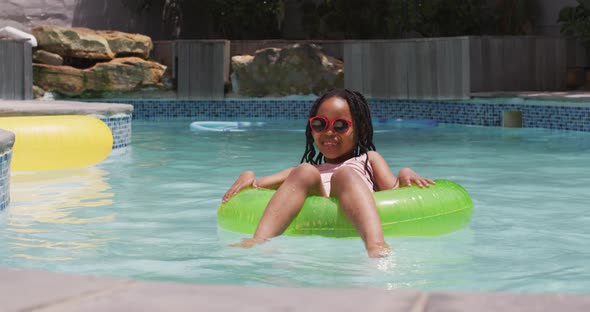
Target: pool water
(149,212)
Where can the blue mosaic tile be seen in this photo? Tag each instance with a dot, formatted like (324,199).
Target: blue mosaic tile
(5,179)
(120,128)
(455,112)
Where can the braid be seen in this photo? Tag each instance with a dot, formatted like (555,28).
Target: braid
(361,118)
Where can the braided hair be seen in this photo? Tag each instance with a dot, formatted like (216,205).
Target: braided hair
(361,119)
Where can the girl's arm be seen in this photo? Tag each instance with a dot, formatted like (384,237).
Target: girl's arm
(248,178)
(385,180)
(273,181)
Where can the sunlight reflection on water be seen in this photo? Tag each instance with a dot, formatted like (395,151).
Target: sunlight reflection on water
(50,200)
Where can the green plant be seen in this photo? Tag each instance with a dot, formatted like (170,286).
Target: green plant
(444,18)
(345,19)
(575,21)
(385,19)
(248,19)
(514,17)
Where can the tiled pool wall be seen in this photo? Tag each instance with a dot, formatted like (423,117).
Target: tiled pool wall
(120,126)
(551,115)
(5,157)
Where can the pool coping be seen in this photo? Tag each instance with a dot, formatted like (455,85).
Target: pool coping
(6,140)
(574,97)
(117,116)
(36,290)
(36,108)
(46,291)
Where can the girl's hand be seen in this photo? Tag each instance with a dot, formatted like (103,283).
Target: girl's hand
(246,179)
(407,177)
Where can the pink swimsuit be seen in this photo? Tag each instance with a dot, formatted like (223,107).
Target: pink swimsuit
(356,163)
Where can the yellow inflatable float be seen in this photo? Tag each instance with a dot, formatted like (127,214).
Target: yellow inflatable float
(57,142)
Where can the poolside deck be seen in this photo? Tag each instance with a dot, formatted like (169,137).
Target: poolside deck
(42,291)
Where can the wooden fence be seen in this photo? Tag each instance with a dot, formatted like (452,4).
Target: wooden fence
(517,64)
(454,67)
(199,67)
(16,70)
(434,68)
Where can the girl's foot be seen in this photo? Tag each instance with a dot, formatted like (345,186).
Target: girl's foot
(379,250)
(249,242)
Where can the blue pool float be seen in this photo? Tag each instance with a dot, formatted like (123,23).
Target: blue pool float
(224,126)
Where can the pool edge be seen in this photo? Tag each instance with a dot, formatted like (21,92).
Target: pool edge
(36,290)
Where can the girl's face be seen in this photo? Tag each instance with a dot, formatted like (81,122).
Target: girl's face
(335,146)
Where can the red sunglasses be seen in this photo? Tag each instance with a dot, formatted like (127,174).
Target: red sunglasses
(321,124)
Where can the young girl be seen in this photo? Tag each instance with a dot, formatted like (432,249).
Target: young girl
(346,167)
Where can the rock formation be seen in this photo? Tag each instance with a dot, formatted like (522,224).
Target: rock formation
(79,61)
(299,69)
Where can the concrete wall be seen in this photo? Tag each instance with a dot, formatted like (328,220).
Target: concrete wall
(548,12)
(96,14)
(113,15)
(25,14)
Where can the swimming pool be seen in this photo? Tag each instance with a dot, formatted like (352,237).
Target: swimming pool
(149,212)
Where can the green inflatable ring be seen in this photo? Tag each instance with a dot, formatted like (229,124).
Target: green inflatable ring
(408,211)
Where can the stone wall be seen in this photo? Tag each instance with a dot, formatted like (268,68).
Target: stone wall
(78,61)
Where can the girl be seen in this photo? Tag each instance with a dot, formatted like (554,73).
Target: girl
(347,167)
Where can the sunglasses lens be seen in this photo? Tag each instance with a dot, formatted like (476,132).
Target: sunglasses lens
(340,125)
(318,124)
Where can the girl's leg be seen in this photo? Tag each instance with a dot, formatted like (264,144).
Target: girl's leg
(285,204)
(358,205)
